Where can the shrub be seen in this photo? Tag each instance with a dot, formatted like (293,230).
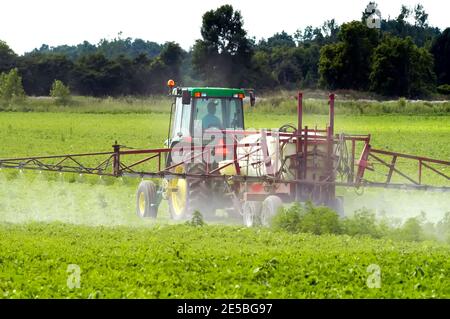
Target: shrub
(308,219)
(288,219)
(319,220)
(196,220)
(60,92)
(411,230)
(363,222)
(443,228)
(11,89)
(444,89)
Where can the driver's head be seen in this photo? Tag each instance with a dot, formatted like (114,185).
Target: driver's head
(212,107)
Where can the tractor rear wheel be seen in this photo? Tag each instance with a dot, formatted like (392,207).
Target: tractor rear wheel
(146,206)
(189,194)
(270,207)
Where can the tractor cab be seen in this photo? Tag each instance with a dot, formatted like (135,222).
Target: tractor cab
(196,111)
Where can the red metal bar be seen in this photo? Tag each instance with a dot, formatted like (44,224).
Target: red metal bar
(356,139)
(362,164)
(299,158)
(391,169)
(150,151)
(237,167)
(394,169)
(116,159)
(305,153)
(237,160)
(299,121)
(54,156)
(159,161)
(332,113)
(266,155)
(141,161)
(420,172)
(331,189)
(352,164)
(436,171)
(423,159)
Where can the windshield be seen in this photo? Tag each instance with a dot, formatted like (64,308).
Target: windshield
(221,113)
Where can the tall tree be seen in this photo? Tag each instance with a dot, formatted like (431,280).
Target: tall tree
(8,58)
(40,70)
(223,55)
(165,66)
(281,40)
(96,75)
(420,16)
(400,68)
(346,64)
(441,53)
(172,56)
(11,89)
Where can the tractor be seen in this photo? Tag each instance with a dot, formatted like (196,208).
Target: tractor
(211,163)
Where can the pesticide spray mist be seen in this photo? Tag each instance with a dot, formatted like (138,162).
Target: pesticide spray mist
(399,204)
(76,199)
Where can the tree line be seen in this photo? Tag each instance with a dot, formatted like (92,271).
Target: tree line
(402,56)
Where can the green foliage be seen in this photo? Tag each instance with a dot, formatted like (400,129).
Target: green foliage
(421,33)
(362,222)
(60,92)
(223,56)
(444,89)
(322,220)
(319,220)
(112,49)
(41,70)
(441,51)
(219,261)
(196,220)
(308,219)
(151,260)
(8,58)
(411,230)
(401,68)
(288,219)
(11,89)
(346,64)
(443,228)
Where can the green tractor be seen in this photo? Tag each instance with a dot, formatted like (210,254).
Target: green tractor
(196,113)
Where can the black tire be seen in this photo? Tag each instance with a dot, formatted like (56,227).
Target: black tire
(198,195)
(146,206)
(251,211)
(270,207)
(199,192)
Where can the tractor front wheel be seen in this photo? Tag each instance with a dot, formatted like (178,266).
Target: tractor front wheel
(146,200)
(189,194)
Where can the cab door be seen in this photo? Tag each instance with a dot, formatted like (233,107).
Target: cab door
(181,123)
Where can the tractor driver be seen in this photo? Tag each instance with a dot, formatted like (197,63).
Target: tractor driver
(211,120)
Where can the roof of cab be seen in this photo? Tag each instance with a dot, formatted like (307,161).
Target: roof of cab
(215,92)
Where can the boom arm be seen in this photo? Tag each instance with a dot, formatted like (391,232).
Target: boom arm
(148,163)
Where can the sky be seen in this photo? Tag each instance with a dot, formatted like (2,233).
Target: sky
(27,24)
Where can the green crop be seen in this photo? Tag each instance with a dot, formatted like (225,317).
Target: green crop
(213,262)
(50,221)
